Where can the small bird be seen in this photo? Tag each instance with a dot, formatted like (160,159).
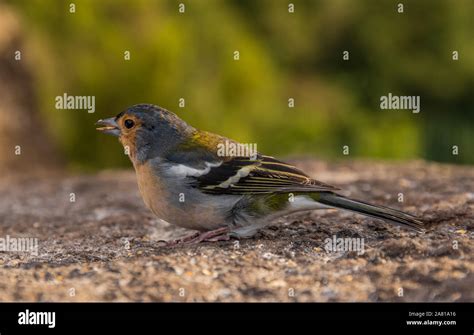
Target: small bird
(185,180)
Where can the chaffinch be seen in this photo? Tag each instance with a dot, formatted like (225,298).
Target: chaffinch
(185,179)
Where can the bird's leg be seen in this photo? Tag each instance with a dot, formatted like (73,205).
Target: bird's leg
(219,234)
(181,240)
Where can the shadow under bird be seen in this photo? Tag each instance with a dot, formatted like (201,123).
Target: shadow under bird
(184,181)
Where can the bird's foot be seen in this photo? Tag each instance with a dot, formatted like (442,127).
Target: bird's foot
(219,234)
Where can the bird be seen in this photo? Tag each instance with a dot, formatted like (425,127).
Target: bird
(185,179)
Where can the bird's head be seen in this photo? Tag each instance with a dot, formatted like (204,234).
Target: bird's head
(146,131)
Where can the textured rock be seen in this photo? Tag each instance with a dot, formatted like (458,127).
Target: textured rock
(103,246)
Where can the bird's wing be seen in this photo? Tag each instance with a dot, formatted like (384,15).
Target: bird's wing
(199,163)
(262,175)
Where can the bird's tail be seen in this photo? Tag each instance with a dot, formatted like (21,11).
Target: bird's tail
(380,212)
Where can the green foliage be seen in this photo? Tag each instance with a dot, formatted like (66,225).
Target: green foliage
(282,55)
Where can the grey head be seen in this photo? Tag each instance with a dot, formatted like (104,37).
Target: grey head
(146,130)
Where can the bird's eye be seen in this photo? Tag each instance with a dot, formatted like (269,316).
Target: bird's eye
(129,123)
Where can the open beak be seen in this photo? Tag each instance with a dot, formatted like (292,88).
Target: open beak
(108,126)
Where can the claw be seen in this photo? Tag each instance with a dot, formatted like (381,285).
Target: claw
(219,234)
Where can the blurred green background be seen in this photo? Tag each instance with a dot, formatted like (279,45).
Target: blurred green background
(282,55)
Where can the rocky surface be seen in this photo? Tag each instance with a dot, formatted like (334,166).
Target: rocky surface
(103,246)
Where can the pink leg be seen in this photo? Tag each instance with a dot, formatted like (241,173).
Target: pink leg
(179,240)
(219,234)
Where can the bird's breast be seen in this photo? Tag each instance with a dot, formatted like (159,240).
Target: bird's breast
(152,189)
(173,204)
